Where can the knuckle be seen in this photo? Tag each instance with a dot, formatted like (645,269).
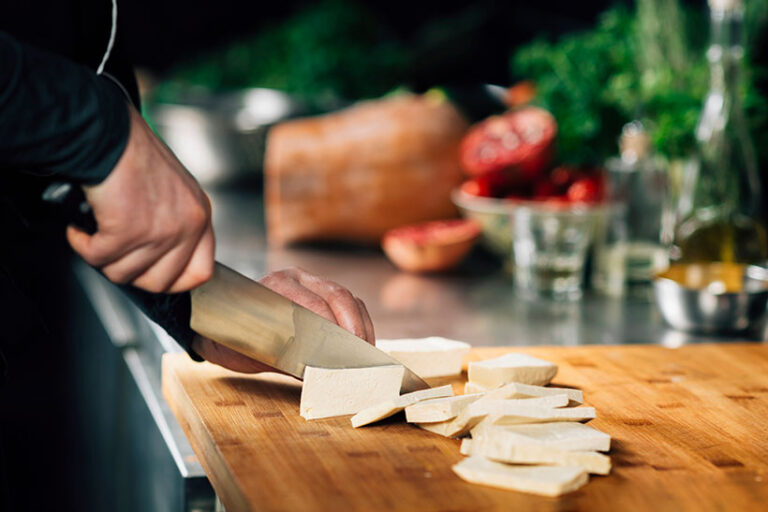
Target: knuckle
(199,274)
(198,216)
(150,284)
(293,272)
(339,293)
(115,275)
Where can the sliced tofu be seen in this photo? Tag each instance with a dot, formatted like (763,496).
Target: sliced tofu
(488,406)
(336,392)
(439,409)
(471,387)
(428,412)
(543,480)
(520,414)
(569,436)
(514,367)
(526,390)
(427,357)
(505,449)
(504,407)
(386,409)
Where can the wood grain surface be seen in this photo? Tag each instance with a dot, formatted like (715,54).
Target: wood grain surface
(689,429)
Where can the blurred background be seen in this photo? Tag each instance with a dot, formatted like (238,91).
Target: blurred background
(568,149)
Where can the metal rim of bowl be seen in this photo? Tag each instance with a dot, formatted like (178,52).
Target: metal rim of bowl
(750,271)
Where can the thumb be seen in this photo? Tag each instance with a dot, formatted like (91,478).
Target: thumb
(79,240)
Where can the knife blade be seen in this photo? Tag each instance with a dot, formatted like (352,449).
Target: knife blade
(246,316)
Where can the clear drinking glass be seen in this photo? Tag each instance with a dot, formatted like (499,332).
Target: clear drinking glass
(550,248)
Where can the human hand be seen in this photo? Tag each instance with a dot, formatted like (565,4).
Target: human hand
(326,298)
(154,221)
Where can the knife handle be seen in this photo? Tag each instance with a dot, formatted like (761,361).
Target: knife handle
(172,311)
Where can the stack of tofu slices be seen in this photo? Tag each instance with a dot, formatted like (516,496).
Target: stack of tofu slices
(519,434)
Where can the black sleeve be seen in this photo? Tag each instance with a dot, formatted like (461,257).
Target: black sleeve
(58,118)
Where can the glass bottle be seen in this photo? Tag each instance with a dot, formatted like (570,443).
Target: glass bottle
(720,197)
(629,247)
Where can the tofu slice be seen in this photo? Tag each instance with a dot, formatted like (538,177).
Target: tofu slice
(466,446)
(439,409)
(471,387)
(336,392)
(520,414)
(503,449)
(434,411)
(427,357)
(526,390)
(475,412)
(386,409)
(569,436)
(500,406)
(543,480)
(514,367)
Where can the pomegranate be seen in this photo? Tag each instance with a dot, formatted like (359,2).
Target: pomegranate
(496,184)
(520,141)
(590,189)
(430,246)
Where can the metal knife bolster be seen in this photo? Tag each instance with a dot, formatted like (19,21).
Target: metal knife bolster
(248,317)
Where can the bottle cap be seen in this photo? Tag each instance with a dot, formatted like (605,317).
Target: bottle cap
(634,143)
(725,5)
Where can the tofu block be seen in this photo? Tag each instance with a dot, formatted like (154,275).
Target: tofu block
(569,436)
(533,414)
(526,390)
(427,357)
(439,409)
(335,392)
(488,405)
(543,480)
(521,368)
(386,409)
(504,449)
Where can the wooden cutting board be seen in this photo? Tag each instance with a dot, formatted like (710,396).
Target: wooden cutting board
(689,429)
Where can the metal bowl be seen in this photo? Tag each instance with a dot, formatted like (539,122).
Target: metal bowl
(221,137)
(711,309)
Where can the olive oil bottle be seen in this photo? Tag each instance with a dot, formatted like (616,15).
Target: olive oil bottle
(720,198)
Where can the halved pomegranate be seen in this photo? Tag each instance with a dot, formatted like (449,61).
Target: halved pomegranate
(430,246)
(520,140)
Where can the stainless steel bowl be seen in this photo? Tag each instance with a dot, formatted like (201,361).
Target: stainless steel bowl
(221,137)
(712,310)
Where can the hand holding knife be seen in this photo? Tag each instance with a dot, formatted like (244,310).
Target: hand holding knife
(246,316)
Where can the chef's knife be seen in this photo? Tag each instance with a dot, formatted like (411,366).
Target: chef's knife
(248,317)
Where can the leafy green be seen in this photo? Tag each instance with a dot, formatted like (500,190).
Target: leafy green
(331,49)
(640,64)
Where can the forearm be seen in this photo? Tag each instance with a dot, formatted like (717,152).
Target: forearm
(57,118)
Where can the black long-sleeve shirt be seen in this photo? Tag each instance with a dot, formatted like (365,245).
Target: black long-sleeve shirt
(57,117)
(60,119)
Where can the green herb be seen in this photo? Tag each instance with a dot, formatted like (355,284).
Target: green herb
(641,64)
(332,49)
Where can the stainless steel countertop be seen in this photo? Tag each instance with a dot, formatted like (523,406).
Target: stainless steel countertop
(476,304)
